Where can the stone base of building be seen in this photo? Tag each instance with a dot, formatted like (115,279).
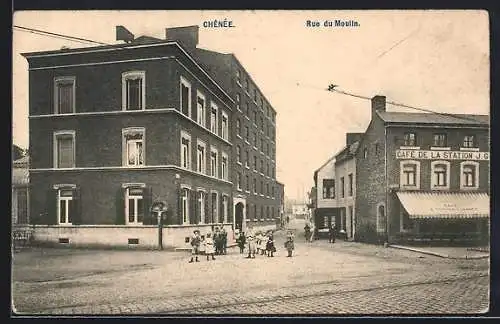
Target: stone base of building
(120,236)
(263,225)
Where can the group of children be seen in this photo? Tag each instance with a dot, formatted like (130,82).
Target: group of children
(261,243)
(208,245)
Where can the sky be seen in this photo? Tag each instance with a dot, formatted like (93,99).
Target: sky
(436,60)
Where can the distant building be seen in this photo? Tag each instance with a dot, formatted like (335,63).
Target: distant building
(325,211)
(20,191)
(422,176)
(300,211)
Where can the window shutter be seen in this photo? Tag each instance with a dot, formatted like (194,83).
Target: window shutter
(192,208)
(120,207)
(76,210)
(207,211)
(147,196)
(50,217)
(179,206)
(221,209)
(197,210)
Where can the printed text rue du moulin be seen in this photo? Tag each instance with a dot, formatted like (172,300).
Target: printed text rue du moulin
(333,23)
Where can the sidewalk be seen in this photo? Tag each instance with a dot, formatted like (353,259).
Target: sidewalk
(464,253)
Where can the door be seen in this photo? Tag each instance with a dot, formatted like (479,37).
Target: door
(351,222)
(238,217)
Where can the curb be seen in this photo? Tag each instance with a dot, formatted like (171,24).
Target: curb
(446,256)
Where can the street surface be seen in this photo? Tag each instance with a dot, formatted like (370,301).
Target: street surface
(321,278)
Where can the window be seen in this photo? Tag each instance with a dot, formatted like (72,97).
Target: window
(213,162)
(185,150)
(255,162)
(262,145)
(261,187)
(255,95)
(343,221)
(247,158)
(440,175)
(365,153)
(255,139)
(215,208)
(64,95)
(255,185)
(262,123)
(255,116)
(64,149)
(225,203)
(133,143)
(267,189)
(349,177)
(185,195)
(262,166)
(213,118)
(468,141)
(238,101)
(328,188)
(248,109)
(238,77)
(342,192)
(185,97)
(200,103)
(381,221)
(410,174)
(201,158)
(238,154)
(238,127)
(247,183)
(410,139)
(469,175)
(272,191)
(247,85)
(202,199)
(225,126)
(439,140)
(134,207)
(267,169)
(65,206)
(247,134)
(376,148)
(224,169)
(238,180)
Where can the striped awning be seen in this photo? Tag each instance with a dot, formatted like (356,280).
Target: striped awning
(420,205)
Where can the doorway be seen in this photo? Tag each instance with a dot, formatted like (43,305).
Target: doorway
(238,219)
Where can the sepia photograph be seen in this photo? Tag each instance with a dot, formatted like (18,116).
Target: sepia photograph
(250,162)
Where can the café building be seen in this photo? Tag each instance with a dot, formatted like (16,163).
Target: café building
(423,176)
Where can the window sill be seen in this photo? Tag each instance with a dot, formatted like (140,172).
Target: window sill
(409,147)
(239,136)
(469,188)
(248,118)
(439,148)
(403,187)
(238,162)
(255,148)
(470,149)
(440,188)
(238,83)
(247,167)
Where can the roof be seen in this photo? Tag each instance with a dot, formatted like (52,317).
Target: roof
(20,176)
(429,118)
(324,164)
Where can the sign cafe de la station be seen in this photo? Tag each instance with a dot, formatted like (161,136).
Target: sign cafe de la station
(446,155)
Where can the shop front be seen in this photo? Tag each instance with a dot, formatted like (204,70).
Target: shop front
(449,217)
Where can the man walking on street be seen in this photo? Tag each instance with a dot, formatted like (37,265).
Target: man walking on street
(331,233)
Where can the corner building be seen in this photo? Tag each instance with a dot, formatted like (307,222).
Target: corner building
(114,129)
(422,176)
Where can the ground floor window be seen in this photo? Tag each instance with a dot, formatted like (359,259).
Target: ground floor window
(134,206)
(381,218)
(225,203)
(405,221)
(65,206)
(214,207)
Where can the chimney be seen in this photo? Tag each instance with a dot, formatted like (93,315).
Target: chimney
(186,36)
(124,34)
(378,104)
(352,138)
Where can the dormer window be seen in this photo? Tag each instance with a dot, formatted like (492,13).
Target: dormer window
(439,140)
(468,141)
(410,139)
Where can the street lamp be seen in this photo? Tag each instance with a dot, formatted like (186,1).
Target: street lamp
(159,208)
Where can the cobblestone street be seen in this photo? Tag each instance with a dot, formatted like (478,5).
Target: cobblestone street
(343,278)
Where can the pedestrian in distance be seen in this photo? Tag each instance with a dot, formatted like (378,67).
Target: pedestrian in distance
(216,240)
(307,232)
(241,242)
(209,247)
(331,233)
(251,244)
(289,245)
(270,248)
(195,246)
(223,240)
